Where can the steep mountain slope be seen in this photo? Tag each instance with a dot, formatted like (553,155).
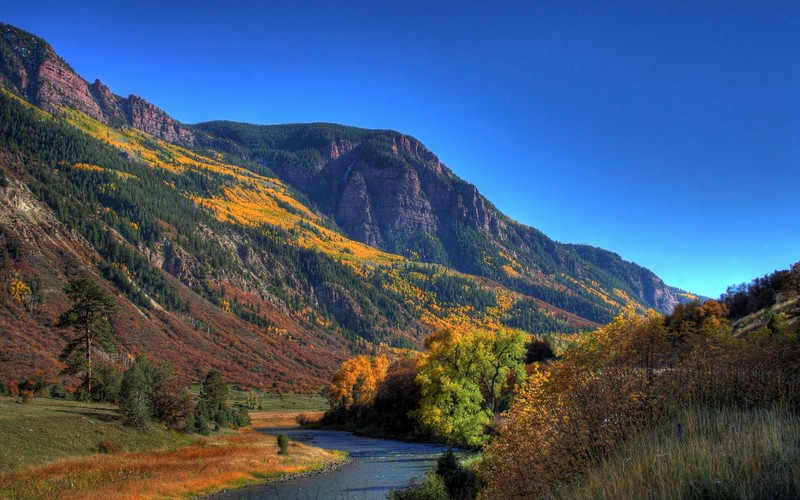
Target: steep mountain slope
(270,253)
(387,190)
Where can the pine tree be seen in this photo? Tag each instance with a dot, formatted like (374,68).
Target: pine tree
(89,314)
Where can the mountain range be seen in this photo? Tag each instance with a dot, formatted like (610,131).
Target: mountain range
(268,252)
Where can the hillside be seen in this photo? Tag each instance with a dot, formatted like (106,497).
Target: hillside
(270,253)
(388,190)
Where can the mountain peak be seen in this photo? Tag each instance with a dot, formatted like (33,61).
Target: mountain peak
(31,68)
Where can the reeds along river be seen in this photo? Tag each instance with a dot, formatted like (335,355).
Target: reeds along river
(379,466)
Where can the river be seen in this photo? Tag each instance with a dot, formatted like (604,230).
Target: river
(379,466)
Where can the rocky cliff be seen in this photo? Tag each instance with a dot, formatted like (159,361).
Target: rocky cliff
(31,68)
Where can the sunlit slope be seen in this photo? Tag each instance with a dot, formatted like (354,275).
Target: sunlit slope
(241,197)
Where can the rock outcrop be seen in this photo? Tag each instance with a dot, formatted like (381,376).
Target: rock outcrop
(31,68)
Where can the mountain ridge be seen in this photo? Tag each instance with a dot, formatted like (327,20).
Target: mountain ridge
(230,252)
(386,197)
(31,68)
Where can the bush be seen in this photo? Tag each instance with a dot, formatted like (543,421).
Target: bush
(25,396)
(240,417)
(57,391)
(106,383)
(432,488)
(136,393)
(109,446)
(3,389)
(198,420)
(37,383)
(172,404)
(283,444)
(459,481)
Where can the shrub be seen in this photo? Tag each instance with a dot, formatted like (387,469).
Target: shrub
(3,389)
(432,488)
(240,417)
(25,396)
(37,382)
(459,481)
(57,391)
(137,392)
(198,420)
(106,383)
(109,446)
(172,404)
(283,444)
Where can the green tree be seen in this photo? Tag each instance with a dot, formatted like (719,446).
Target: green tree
(462,379)
(89,314)
(136,398)
(212,405)
(152,392)
(106,383)
(283,444)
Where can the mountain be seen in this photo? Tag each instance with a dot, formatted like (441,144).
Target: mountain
(389,191)
(30,67)
(268,252)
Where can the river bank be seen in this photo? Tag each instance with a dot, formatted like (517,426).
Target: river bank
(377,466)
(52,450)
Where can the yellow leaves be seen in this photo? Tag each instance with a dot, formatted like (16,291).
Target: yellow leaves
(356,381)
(19,291)
(86,166)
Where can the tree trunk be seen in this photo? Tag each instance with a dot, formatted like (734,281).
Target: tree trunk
(89,364)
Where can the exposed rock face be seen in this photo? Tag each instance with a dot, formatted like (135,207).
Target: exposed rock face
(354,212)
(108,102)
(59,86)
(152,120)
(381,203)
(31,68)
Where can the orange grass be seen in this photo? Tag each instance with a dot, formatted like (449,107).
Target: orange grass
(272,419)
(211,465)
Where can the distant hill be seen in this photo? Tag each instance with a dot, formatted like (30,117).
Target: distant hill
(268,252)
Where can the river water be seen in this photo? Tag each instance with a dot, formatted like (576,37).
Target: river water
(379,466)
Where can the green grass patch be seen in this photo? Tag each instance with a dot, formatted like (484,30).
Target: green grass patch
(275,402)
(49,429)
(705,453)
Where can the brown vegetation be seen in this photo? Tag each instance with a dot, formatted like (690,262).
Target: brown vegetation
(210,465)
(627,377)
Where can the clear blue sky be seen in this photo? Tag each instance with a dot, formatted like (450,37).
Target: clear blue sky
(666,131)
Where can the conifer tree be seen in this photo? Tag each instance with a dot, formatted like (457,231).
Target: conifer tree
(89,314)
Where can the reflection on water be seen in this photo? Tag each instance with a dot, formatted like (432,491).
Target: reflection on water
(379,466)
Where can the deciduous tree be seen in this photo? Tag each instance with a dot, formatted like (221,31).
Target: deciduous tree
(461,380)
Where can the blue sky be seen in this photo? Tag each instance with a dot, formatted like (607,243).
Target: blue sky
(666,131)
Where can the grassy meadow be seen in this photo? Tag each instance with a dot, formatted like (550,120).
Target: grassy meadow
(68,449)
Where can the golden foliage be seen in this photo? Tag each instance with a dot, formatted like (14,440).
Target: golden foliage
(624,378)
(19,290)
(356,381)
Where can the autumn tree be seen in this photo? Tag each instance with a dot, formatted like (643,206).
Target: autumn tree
(356,382)
(89,317)
(462,378)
